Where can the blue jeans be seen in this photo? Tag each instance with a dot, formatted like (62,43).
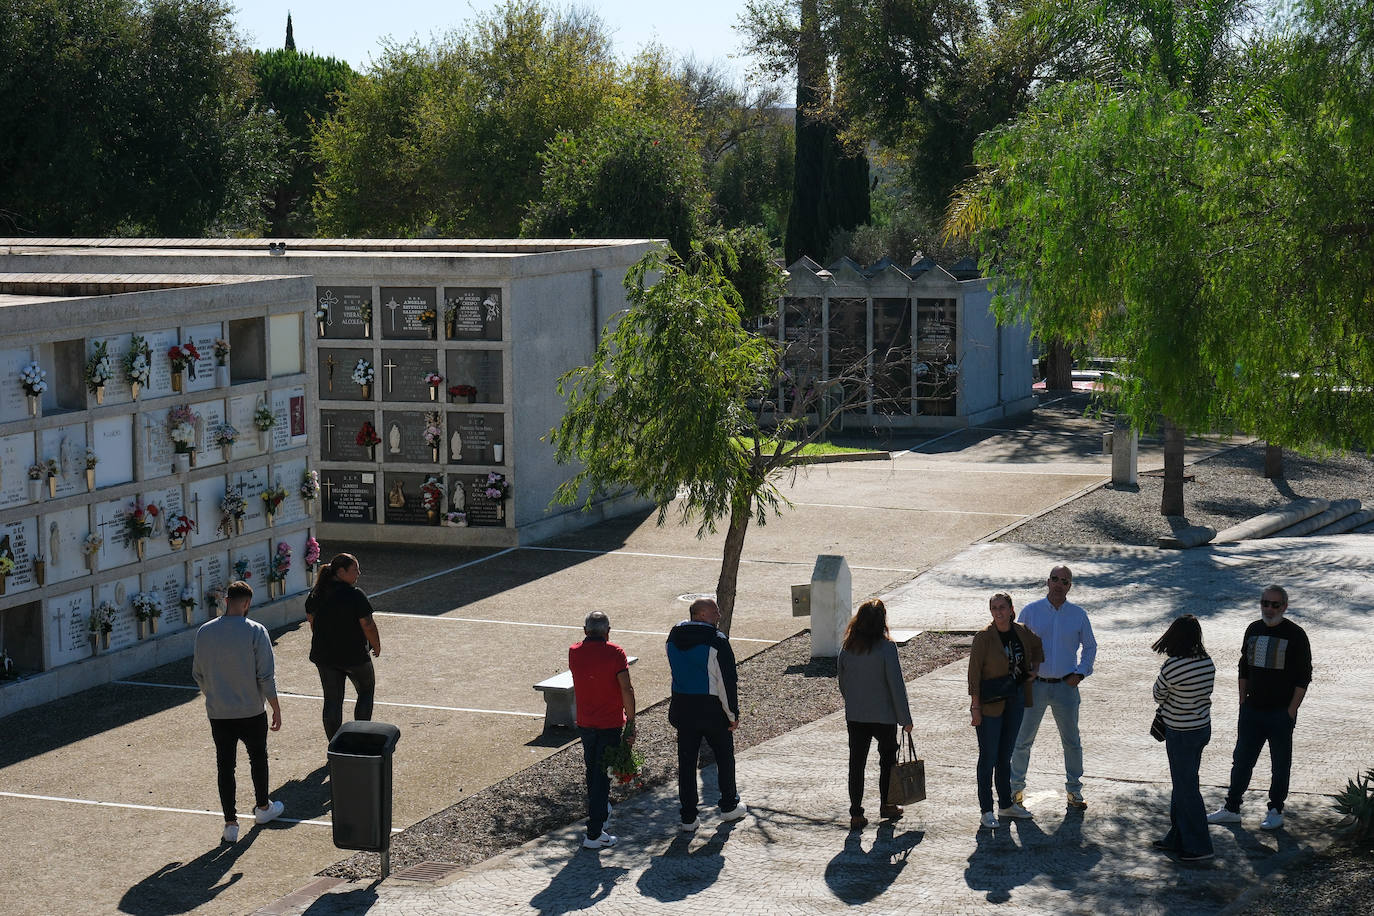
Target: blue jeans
(594,744)
(1255,727)
(996,738)
(1187,817)
(1062,699)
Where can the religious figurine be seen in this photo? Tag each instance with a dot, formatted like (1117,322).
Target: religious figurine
(396,497)
(457,499)
(455,446)
(54,543)
(394,438)
(119,593)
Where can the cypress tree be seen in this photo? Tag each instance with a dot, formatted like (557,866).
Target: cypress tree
(290,34)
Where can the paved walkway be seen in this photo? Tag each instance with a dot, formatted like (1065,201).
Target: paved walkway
(795,855)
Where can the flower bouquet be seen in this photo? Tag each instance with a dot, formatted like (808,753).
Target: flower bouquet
(222,349)
(90,547)
(429,320)
(101,623)
(92,459)
(498,490)
(363,374)
(310,488)
(434,432)
(272,499)
(138,525)
(6,569)
(312,552)
(434,380)
(137,364)
(147,608)
(36,472)
(431,498)
(232,509)
(181,357)
(365,312)
(462,391)
(214,601)
(178,528)
(281,565)
(623,763)
(182,422)
(368,439)
(35,382)
(52,470)
(456,519)
(264,419)
(225,435)
(187,603)
(241,570)
(99,370)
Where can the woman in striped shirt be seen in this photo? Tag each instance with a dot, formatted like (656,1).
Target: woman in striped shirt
(1184,693)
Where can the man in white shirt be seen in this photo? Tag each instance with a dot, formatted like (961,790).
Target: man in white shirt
(1070,649)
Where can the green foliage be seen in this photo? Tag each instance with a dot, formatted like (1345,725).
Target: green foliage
(1356,801)
(745,259)
(129,117)
(624,176)
(303,90)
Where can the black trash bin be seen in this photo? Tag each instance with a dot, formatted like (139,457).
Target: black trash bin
(360,784)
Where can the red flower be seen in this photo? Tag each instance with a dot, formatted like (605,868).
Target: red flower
(190,350)
(152,510)
(174,354)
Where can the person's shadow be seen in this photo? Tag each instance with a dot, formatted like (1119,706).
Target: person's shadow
(307,797)
(584,882)
(997,864)
(179,887)
(682,871)
(856,877)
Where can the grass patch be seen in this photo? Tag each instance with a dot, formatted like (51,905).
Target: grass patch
(813,448)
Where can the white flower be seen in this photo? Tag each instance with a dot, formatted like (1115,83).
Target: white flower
(184,434)
(34,378)
(363,373)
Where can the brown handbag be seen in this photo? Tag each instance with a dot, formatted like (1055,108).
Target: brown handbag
(907,784)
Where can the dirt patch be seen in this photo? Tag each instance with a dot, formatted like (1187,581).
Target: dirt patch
(1335,882)
(780,689)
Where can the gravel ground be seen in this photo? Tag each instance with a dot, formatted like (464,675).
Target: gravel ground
(780,689)
(1225,489)
(1336,882)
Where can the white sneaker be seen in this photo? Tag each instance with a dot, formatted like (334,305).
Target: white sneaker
(231,832)
(734,813)
(1225,816)
(1014,810)
(1273,820)
(270,813)
(599,842)
(691,827)
(990,820)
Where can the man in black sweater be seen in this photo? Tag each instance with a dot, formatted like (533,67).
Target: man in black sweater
(1275,669)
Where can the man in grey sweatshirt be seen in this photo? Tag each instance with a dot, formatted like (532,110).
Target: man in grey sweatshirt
(235,669)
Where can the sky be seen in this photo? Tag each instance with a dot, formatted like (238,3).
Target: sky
(353,30)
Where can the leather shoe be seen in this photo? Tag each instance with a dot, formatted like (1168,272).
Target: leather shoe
(858,822)
(891,812)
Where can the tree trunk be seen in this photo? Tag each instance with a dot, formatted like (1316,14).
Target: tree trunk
(729,563)
(1058,367)
(1273,461)
(1172,503)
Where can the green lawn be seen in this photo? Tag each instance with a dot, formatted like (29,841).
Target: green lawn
(815,448)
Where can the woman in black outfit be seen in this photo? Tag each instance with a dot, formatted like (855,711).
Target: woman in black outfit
(342,632)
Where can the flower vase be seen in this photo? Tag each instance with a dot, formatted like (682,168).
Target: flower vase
(93,562)
(52,487)
(271,518)
(181,462)
(367,392)
(99,394)
(90,480)
(435,450)
(461,523)
(432,515)
(451,330)
(221,376)
(309,506)
(188,613)
(142,629)
(133,388)
(227,451)
(105,640)
(40,572)
(367,329)
(3,580)
(95,643)
(33,405)
(501,510)
(176,543)
(192,453)
(434,392)
(152,625)
(35,490)
(264,440)
(472,399)
(319,325)
(498,451)
(141,544)
(176,381)
(372,453)
(238,524)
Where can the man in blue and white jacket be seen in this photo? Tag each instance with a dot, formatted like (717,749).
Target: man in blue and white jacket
(704,705)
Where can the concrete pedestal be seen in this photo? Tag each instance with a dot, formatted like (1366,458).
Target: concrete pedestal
(1125,452)
(831,605)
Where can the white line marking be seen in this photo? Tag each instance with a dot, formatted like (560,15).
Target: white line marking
(912,509)
(306,696)
(444,572)
(550,626)
(106,804)
(679,556)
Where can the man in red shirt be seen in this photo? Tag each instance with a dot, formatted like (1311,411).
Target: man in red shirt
(605,703)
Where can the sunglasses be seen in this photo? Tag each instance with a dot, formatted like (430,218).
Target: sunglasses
(1265,602)
(1063,579)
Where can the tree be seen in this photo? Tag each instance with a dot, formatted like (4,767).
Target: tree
(290,35)
(302,90)
(723,446)
(623,176)
(130,117)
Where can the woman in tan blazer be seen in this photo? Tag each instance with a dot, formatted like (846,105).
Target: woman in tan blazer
(1001,669)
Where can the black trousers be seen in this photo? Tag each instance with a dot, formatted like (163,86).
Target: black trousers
(227,733)
(364,680)
(722,743)
(861,735)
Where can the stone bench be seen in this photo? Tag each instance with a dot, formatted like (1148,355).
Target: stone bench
(560,706)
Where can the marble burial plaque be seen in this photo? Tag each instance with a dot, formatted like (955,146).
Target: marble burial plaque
(167,583)
(117,390)
(399,312)
(478,368)
(203,508)
(402,374)
(476,313)
(157,444)
(14,403)
(288,406)
(241,412)
(113,441)
(60,537)
(68,618)
(200,375)
(169,502)
(289,473)
(349,496)
(119,593)
(347,307)
(256,556)
(471,489)
(16,454)
(68,445)
(208,572)
(298,579)
(109,524)
(471,437)
(211,416)
(402,500)
(403,438)
(253,481)
(339,434)
(160,367)
(19,539)
(336,374)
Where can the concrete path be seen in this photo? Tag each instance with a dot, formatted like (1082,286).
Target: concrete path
(794,854)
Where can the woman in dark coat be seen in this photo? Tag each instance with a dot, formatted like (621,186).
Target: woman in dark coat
(341,634)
